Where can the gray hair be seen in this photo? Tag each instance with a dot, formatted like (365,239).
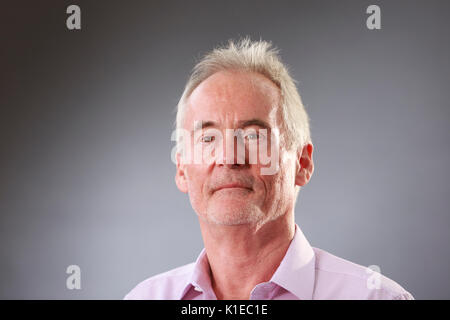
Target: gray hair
(261,57)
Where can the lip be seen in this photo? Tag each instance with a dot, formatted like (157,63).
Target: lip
(232,186)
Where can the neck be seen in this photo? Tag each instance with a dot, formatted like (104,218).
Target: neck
(243,256)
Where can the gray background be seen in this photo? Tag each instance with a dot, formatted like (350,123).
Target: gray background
(86,119)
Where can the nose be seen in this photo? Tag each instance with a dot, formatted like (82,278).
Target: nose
(233,153)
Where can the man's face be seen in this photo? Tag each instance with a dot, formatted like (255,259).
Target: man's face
(224,190)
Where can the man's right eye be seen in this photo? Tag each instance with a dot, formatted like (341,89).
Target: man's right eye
(207,139)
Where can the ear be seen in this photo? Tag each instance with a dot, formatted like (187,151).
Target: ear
(180,176)
(305,165)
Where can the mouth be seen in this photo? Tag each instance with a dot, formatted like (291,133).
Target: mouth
(233,186)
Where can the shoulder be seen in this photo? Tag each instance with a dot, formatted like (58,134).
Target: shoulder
(167,285)
(337,278)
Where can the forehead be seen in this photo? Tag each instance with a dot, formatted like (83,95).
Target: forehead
(232,96)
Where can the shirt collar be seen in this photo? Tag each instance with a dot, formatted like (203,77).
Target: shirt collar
(296,272)
(200,276)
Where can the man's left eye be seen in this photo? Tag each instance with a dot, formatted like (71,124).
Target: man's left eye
(207,138)
(252,136)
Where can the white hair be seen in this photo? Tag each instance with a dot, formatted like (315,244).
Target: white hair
(261,57)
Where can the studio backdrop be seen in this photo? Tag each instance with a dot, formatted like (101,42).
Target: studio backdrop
(87,110)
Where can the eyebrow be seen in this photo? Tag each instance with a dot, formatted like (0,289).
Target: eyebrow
(241,124)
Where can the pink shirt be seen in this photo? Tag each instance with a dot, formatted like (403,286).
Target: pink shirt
(304,273)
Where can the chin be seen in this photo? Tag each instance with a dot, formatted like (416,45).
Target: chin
(232,215)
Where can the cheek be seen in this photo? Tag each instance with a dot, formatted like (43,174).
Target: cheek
(280,185)
(274,185)
(196,178)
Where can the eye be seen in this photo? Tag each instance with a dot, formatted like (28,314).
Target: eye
(207,139)
(252,136)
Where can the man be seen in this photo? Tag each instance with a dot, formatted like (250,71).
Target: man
(253,248)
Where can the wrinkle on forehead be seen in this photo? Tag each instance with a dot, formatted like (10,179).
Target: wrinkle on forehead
(236,88)
(223,89)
